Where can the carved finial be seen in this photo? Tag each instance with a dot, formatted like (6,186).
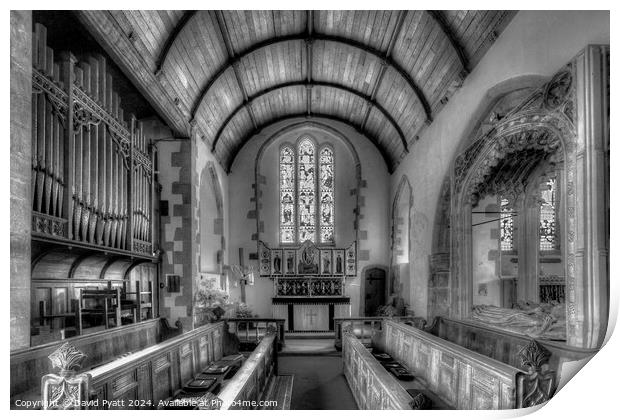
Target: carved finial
(534,356)
(420,402)
(67,358)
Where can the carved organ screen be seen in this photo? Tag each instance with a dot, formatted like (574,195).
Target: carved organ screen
(94,232)
(306,193)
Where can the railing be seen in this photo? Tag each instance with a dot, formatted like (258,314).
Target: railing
(250,330)
(250,382)
(362,327)
(371,385)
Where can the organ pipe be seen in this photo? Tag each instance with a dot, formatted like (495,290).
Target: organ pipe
(92,172)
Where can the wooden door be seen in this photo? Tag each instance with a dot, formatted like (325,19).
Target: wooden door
(374,289)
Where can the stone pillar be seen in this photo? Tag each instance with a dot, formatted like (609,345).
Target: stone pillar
(588,280)
(21,164)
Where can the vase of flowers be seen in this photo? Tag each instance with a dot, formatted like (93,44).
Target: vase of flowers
(242,310)
(210,304)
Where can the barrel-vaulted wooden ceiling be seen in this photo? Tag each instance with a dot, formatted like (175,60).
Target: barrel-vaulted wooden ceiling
(230,74)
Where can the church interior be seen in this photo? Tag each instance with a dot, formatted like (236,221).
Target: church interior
(306,209)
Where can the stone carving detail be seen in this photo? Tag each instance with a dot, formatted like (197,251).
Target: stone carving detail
(542,320)
(535,139)
(540,123)
(67,390)
(538,385)
(558,89)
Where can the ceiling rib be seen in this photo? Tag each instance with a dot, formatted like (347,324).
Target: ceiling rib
(388,53)
(221,23)
(371,103)
(315,37)
(310,28)
(187,16)
(460,51)
(388,162)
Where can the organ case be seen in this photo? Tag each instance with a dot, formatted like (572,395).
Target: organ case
(92,171)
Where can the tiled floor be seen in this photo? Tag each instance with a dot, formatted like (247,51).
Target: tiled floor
(319,382)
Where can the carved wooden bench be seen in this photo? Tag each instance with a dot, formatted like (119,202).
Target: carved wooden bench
(465,379)
(258,382)
(374,388)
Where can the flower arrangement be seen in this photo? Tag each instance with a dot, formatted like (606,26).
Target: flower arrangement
(243,311)
(210,302)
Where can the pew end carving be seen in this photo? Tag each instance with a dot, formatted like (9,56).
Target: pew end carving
(66,390)
(539,384)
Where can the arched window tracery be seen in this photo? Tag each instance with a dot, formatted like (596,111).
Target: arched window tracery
(307,193)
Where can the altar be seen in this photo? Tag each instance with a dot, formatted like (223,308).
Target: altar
(309,284)
(308,315)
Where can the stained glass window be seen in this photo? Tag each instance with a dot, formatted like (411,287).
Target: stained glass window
(287,195)
(306,193)
(326,192)
(306,202)
(548,240)
(506,226)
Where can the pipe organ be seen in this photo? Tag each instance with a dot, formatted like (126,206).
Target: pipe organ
(92,171)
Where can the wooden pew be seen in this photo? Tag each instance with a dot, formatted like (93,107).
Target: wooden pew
(258,380)
(372,386)
(462,378)
(155,373)
(502,345)
(29,365)
(250,331)
(364,328)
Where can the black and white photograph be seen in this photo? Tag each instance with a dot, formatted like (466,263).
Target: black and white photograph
(309,209)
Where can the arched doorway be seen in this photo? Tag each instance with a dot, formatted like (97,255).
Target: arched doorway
(374,289)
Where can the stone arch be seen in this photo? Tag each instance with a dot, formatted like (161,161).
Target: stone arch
(542,122)
(211,211)
(497,101)
(400,249)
